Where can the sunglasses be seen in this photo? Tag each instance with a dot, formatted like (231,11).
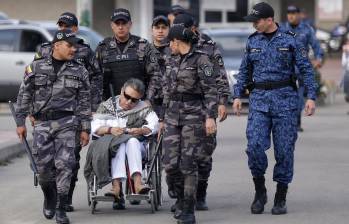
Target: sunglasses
(128,97)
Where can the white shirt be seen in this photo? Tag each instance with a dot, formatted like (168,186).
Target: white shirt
(116,121)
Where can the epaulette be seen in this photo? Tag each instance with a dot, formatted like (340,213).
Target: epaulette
(253,34)
(71,62)
(289,32)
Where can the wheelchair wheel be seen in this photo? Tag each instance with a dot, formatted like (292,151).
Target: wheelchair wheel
(158,182)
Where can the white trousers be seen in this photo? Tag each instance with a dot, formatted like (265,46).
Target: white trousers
(134,150)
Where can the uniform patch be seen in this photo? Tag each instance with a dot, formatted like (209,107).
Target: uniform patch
(37,56)
(28,72)
(153,58)
(304,53)
(112,44)
(208,70)
(283,49)
(73,77)
(220,60)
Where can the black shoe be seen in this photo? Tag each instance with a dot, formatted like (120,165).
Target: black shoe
(201,205)
(260,198)
(174,206)
(61,216)
(280,207)
(187,215)
(119,204)
(179,209)
(69,208)
(50,199)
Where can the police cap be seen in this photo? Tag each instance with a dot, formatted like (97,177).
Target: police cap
(261,10)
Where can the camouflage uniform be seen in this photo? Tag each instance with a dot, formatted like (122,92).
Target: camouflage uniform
(273,110)
(207,45)
(60,103)
(163,54)
(84,55)
(138,60)
(190,97)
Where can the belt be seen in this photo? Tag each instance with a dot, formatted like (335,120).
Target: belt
(185,97)
(52,115)
(275,85)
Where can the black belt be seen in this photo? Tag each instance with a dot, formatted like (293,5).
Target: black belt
(275,85)
(184,97)
(52,115)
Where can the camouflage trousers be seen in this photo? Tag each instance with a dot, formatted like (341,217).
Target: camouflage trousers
(53,151)
(182,146)
(283,127)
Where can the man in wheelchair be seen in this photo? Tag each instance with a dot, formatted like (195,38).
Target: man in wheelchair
(126,115)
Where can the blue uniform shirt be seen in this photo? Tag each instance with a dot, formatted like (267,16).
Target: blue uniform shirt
(274,60)
(305,35)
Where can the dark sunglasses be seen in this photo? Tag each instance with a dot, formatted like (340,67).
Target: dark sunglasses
(128,97)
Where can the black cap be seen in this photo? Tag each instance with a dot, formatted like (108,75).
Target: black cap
(260,11)
(162,19)
(186,20)
(66,35)
(68,18)
(177,9)
(293,9)
(121,14)
(179,32)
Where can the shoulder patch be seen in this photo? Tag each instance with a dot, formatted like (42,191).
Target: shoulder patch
(28,72)
(208,70)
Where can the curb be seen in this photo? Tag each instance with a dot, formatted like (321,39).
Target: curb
(11,150)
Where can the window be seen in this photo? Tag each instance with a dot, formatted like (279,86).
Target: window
(234,17)
(213,16)
(30,40)
(8,40)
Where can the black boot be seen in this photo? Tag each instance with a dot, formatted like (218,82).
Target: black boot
(201,196)
(187,216)
(69,207)
(175,205)
(171,187)
(280,200)
(179,209)
(61,216)
(50,199)
(260,198)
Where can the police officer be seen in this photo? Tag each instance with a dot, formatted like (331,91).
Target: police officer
(207,45)
(306,36)
(267,70)
(84,55)
(190,106)
(126,56)
(58,89)
(161,45)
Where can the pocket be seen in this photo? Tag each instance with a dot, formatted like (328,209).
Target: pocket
(40,80)
(72,82)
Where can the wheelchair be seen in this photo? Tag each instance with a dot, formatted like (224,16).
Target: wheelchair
(151,176)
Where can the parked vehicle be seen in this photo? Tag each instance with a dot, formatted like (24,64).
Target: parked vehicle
(18,44)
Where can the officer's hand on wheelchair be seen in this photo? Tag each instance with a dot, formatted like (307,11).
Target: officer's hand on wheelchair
(84,138)
(210,126)
(237,106)
(309,107)
(222,113)
(21,132)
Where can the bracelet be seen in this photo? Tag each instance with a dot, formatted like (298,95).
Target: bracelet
(109,130)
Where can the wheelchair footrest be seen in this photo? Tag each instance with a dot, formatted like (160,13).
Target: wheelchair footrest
(102,198)
(138,197)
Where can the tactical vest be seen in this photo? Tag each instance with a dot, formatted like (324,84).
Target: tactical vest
(124,65)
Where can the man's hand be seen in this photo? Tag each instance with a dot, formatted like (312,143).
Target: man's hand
(117,131)
(309,107)
(222,113)
(317,64)
(21,132)
(210,126)
(237,106)
(161,129)
(139,131)
(84,138)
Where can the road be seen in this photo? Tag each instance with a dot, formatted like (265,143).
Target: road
(319,193)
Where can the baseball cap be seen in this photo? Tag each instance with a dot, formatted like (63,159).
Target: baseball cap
(185,20)
(121,14)
(159,19)
(293,9)
(177,9)
(66,35)
(68,18)
(261,10)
